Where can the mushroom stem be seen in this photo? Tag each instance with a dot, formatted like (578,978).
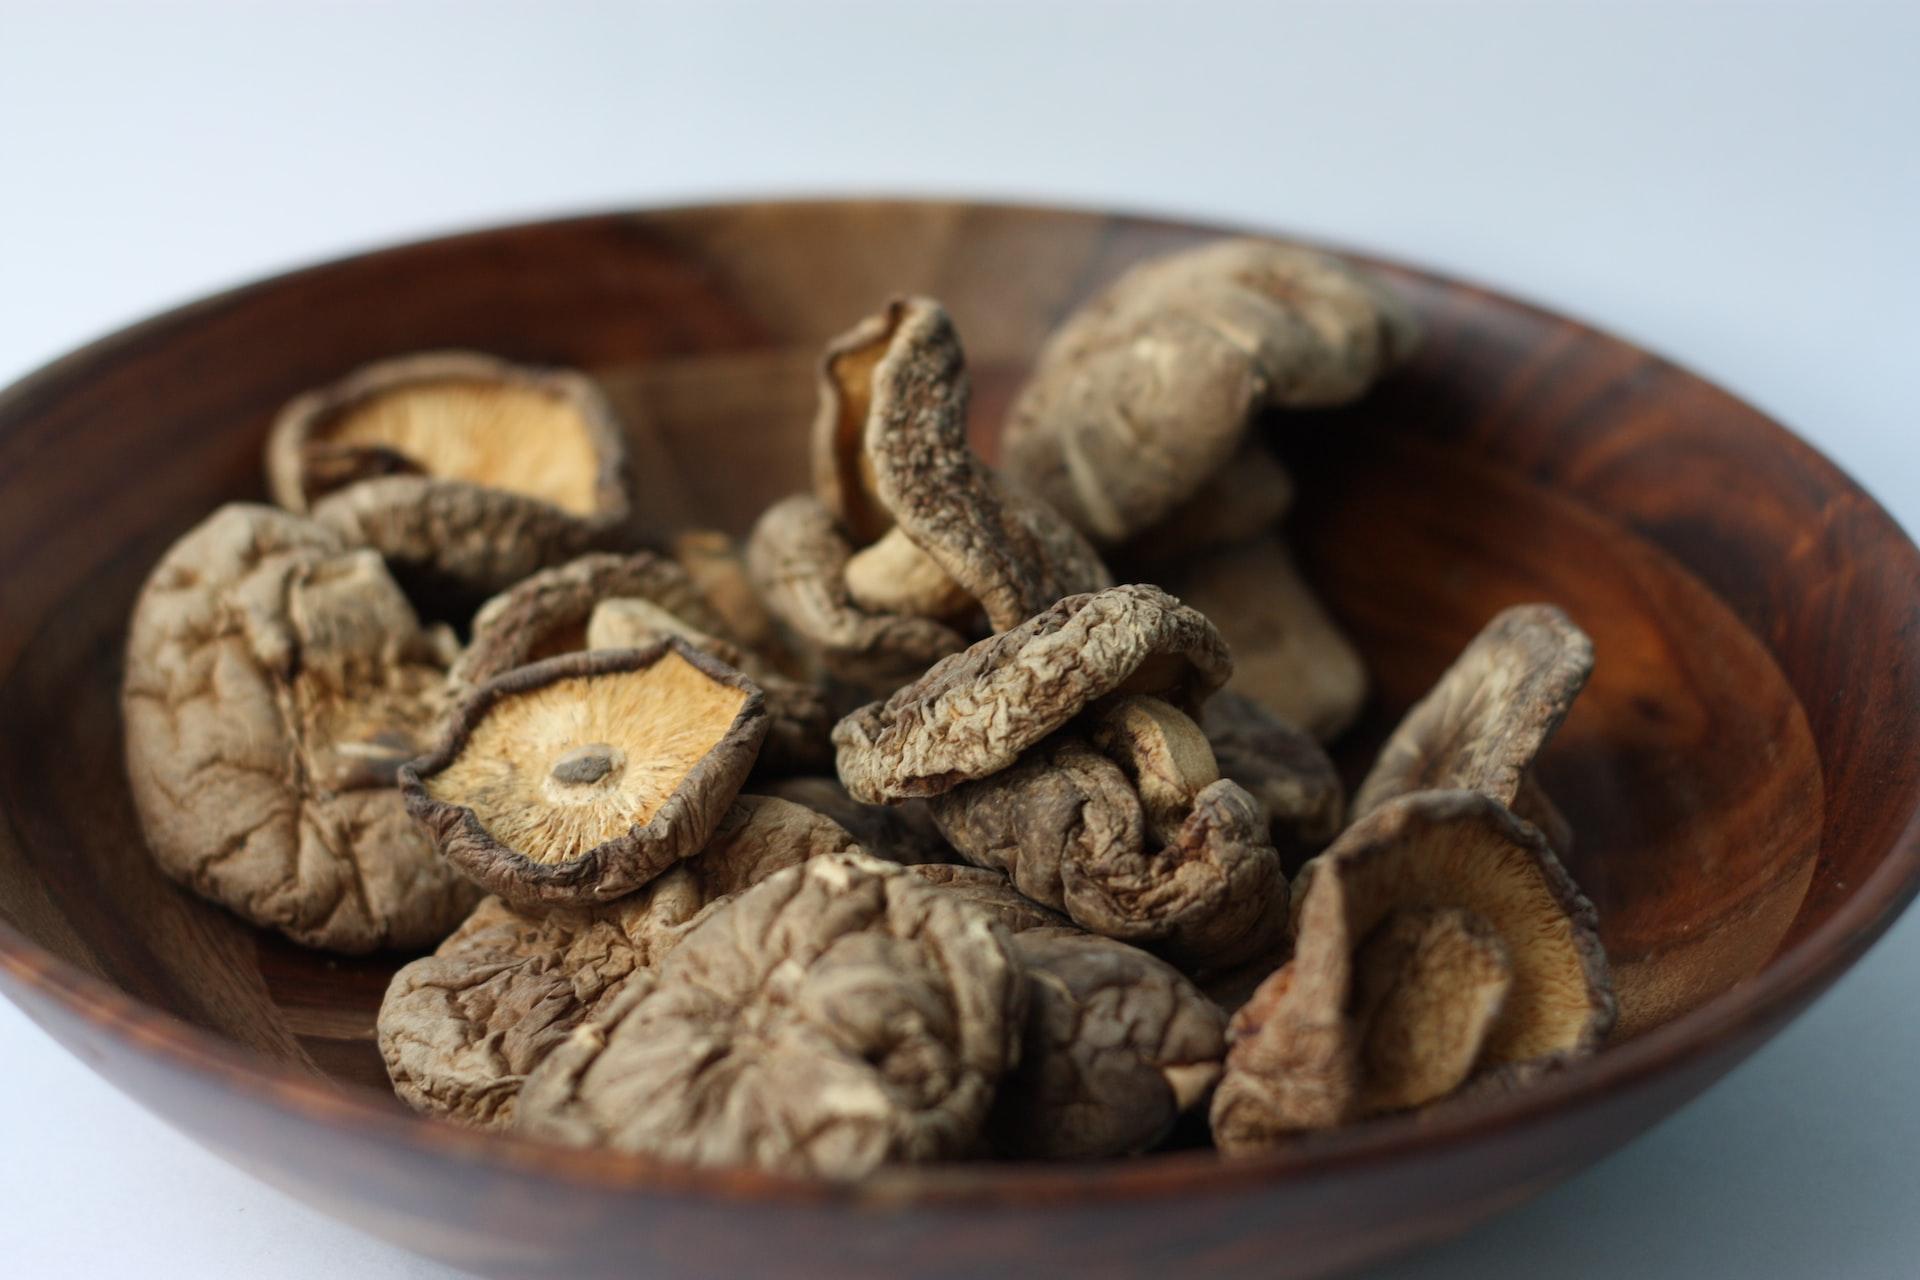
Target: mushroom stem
(586,765)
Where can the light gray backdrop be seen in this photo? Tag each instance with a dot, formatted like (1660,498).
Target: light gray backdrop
(1733,185)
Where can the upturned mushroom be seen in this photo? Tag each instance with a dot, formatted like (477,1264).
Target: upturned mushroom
(838,1016)
(582,777)
(608,601)
(1489,717)
(1147,391)
(1116,1046)
(461,1029)
(1437,944)
(275,682)
(457,467)
(905,520)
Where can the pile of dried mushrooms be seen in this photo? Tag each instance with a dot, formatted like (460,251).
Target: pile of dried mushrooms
(918,827)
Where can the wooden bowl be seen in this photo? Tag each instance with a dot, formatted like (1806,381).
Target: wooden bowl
(1743,772)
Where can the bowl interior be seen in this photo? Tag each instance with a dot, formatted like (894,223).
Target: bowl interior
(1519,458)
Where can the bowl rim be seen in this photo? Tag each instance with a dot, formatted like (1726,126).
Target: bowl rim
(1792,978)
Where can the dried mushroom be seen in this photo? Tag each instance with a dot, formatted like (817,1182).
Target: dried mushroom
(974,713)
(582,777)
(903,833)
(1281,766)
(606,601)
(915,525)
(461,1029)
(1147,390)
(1198,882)
(461,466)
(1489,716)
(1244,500)
(717,566)
(1438,941)
(839,1016)
(1288,654)
(275,682)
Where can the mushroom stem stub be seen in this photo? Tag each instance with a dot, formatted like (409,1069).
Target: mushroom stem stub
(586,765)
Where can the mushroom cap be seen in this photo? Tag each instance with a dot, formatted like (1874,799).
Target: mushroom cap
(582,777)
(972,714)
(840,1015)
(1066,825)
(1288,654)
(1490,715)
(1245,499)
(275,681)
(1429,985)
(797,559)
(461,1029)
(991,893)
(1281,766)
(456,463)
(890,453)
(903,833)
(717,567)
(1295,1061)
(1147,390)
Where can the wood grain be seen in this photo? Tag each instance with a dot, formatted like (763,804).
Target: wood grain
(1744,771)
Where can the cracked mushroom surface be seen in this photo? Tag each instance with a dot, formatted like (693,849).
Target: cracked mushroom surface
(582,777)
(839,1016)
(910,523)
(461,1029)
(1289,655)
(1147,390)
(1437,944)
(632,601)
(275,682)
(458,466)
(1489,717)
(1146,848)
(971,715)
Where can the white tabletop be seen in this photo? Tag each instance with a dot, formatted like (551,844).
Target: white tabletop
(1735,186)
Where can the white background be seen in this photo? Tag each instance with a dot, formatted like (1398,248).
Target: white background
(1734,185)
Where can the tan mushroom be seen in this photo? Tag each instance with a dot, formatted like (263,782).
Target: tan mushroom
(1147,390)
(461,1029)
(582,777)
(608,601)
(1288,654)
(1437,942)
(838,1016)
(1116,1045)
(916,525)
(455,465)
(973,714)
(1489,717)
(275,682)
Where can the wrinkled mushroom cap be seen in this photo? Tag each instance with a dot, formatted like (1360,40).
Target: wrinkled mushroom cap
(1147,390)
(582,777)
(458,464)
(1497,706)
(838,1016)
(461,1029)
(1295,1061)
(275,682)
(974,713)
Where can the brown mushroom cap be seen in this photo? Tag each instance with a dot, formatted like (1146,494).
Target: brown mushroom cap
(456,463)
(903,833)
(974,713)
(581,778)
(797,560)
(1281,766)
(1288,654)
(1296,1058)
(838,1016)
(1147,390)
(891,454)
(461,1029)
(1243,500)
(1066,825)
(1490,715)
(275,681)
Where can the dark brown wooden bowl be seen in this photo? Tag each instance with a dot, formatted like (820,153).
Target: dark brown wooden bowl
(1743,773)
